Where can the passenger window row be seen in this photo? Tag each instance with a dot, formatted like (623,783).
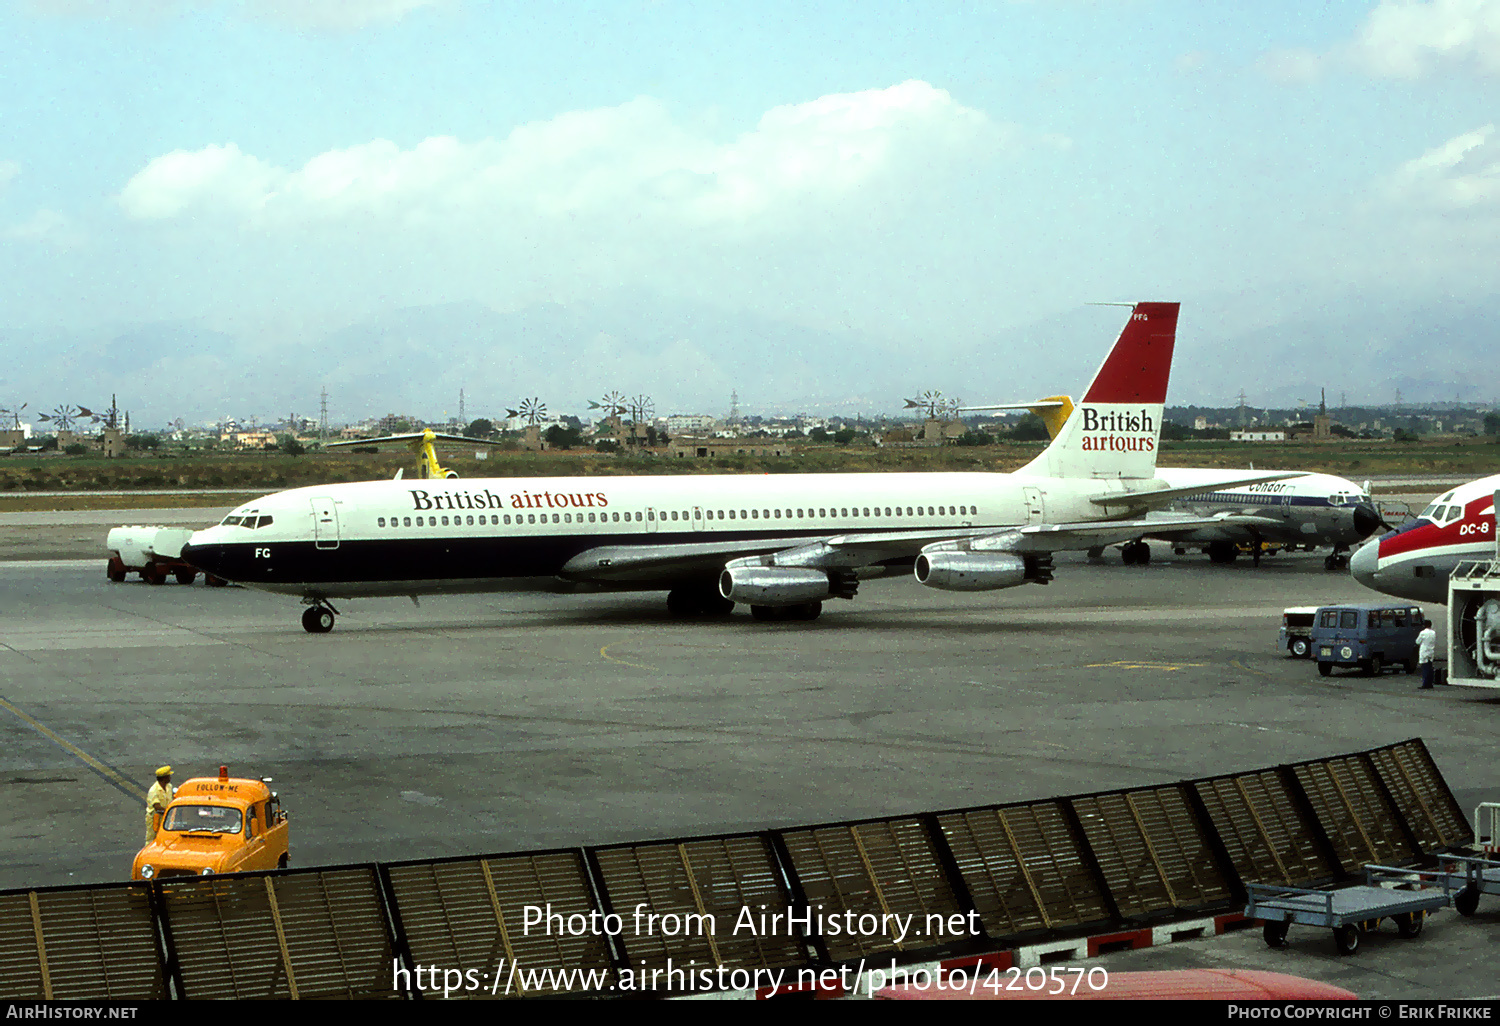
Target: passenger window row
(840,512)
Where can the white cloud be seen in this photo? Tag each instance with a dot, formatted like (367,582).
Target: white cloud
(1407,38)
(47,227)
(1460,175)
(1402,39)
(1291,67)
(10,170)
(335,15)
(632,163)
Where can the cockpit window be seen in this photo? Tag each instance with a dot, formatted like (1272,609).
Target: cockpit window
(1431,511)
(264,522)
(230,522)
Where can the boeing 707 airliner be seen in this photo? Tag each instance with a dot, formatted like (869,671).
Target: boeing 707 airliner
(781,544)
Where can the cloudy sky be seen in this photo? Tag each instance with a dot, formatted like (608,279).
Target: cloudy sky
(266,187)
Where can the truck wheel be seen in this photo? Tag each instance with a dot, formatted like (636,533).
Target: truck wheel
(1325,669)
(1466,901)
(151,575)
(281,862)
(1275,933)
(1373,667)
(1301,648)
(1346,939)
(115,569)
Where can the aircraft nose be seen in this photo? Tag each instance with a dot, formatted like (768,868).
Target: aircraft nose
(1364,563)
(205,557)
(1366,520)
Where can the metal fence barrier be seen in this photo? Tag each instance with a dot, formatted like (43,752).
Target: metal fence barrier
(1009,874)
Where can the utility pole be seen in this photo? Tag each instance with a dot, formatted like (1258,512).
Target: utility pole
(323,415)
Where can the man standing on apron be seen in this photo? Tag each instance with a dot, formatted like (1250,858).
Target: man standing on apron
(1426,652)
(157,800)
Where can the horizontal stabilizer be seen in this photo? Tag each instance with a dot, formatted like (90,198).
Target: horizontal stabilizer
(1155,497)
(416,436)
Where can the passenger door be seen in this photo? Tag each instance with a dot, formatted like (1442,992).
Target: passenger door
(325,523)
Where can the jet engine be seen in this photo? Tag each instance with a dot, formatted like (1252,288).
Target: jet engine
(981,571)
(776,585)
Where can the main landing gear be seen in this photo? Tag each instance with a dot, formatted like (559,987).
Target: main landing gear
(1338,559)
(317,618)
(697,603)
(805,611)
(1136,553)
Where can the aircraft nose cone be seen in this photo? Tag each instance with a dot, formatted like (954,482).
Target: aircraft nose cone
(204,557)
(1364,563)
(1366,520)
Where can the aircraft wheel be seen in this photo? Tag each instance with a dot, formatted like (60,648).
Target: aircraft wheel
(1142,553)
(186,576)
(1346,939)
(683,603)
(1329,563)
(317,619)
(1096,551)
(810,611)
(1274,933)
(214,582)
(765,614)
(714,604)
(1466,901)
(1222,552)
(1127,554)
(1301,648)
(1325,669)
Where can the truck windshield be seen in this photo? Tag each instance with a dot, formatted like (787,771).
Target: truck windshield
(216,818)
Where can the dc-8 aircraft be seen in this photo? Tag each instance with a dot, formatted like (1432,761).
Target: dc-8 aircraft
(1416,561)
(781,544)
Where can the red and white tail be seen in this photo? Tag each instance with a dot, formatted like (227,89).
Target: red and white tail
(1115,430)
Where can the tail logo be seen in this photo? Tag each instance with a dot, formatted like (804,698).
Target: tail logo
(1118,430)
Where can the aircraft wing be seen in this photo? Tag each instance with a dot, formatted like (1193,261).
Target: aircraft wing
(649,564)
(416,436)
(640,564)
(1158,496)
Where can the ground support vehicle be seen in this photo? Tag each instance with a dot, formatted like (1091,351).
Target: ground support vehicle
(1349,911)
(1474,624)
(1477,874)
(154,553)
(1369,635)
(1295,636)
(217,825)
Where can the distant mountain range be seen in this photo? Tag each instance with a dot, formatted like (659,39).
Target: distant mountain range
(691,358)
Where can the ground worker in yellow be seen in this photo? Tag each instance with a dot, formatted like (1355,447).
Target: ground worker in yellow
(157,800)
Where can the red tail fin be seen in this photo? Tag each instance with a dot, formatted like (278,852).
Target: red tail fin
(1136,369)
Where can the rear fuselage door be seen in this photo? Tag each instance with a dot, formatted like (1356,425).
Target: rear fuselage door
(697,518)
(325,523)
(651,524)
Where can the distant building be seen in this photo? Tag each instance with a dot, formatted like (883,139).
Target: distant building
(685,447)
(689,423)
(1276,435)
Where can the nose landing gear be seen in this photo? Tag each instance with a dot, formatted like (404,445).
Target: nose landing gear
(317,618)
(1338,559)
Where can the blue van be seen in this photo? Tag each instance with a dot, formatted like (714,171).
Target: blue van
(1369,635)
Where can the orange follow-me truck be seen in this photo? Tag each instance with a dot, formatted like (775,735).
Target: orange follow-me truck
(214,825)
